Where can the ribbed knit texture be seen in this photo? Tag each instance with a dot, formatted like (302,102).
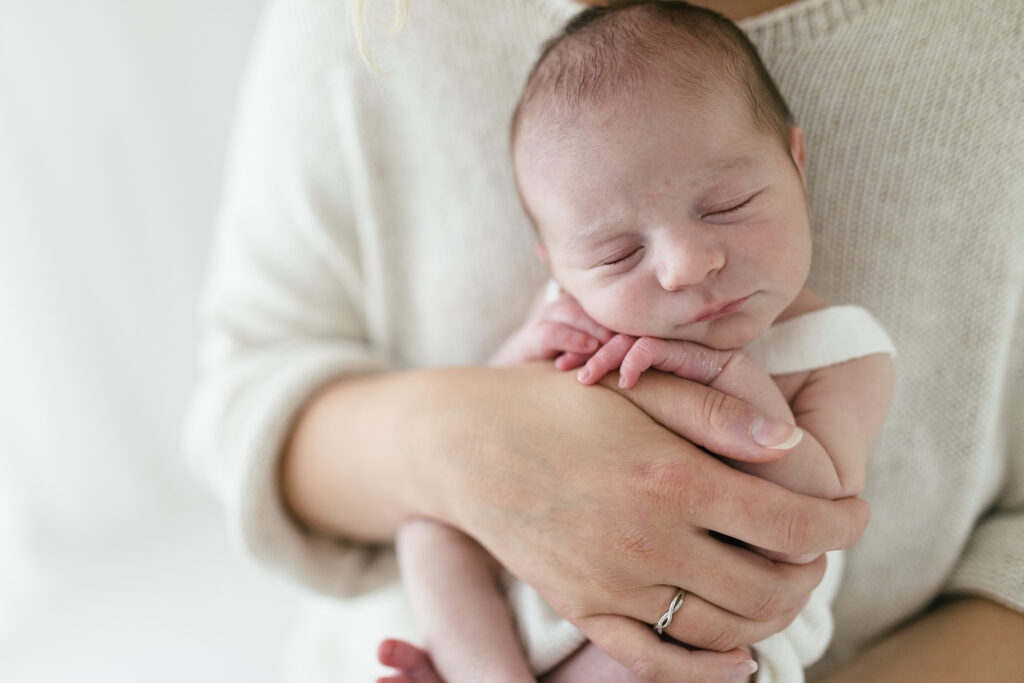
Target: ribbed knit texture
(371,222)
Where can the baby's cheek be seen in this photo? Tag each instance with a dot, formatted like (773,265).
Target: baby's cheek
(623,306)
(626,315)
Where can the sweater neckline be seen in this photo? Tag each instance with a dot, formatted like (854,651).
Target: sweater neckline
(805,19)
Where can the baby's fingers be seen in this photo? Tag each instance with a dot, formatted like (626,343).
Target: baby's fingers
(567,310)
(682,358)
(549,338)
(641,356)
(568,360)
(608,358)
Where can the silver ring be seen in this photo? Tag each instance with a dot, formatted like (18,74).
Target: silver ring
(666,618)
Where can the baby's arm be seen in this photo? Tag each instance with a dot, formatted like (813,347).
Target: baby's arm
(840,408)
(843,407)
(456,591)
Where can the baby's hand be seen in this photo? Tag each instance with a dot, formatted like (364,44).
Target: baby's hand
(632,356)
(559,330)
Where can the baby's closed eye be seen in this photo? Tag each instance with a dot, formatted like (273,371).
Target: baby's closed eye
(623,257)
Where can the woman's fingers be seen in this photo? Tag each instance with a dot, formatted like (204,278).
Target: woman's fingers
(637,647)
(723,607)
(710,495)
(727,501)
(787,522)
(725,425)
(704,625)
(740,581)
(698,623)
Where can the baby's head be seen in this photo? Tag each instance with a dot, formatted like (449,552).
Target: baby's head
(658,162)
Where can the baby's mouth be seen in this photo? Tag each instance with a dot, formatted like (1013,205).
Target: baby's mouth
(721,309)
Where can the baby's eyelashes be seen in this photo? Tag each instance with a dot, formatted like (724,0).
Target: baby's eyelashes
(730,209)
(622,258)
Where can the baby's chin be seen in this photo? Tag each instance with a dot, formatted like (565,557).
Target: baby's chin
(733,331)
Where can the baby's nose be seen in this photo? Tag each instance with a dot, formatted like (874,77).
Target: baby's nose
(689,262)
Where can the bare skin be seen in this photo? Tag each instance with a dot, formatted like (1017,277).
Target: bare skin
(448,445)
(968,639)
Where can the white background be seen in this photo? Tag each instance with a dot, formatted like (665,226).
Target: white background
(114,565)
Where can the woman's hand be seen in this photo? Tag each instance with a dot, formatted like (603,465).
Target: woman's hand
(604,512)
(583,494)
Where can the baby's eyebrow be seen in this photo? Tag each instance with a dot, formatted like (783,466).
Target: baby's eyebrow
(724,166)
(594,234)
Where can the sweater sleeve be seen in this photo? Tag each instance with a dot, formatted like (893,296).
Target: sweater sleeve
(992,563)
(282,312)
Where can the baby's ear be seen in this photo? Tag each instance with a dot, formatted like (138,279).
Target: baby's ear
(797,149)
(542,253)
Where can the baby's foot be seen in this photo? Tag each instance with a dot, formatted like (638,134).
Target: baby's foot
(413,664)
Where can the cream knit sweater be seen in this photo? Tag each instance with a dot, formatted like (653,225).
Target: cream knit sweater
(371,222)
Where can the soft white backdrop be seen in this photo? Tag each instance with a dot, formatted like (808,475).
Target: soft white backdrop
(114,566)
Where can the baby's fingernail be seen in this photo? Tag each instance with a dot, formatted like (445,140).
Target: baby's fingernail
(743,671)
(775,434)
(583,375)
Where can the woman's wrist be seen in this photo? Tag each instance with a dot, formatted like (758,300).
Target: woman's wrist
(369,451)
(345,470)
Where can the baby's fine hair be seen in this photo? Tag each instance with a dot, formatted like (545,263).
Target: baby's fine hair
(607,52)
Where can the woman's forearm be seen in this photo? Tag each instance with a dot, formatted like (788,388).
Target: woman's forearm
(369,451)
(354,465)
(966,640)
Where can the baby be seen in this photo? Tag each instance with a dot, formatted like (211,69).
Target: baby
(659,164)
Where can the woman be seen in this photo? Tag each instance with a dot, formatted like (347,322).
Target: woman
(371,235)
